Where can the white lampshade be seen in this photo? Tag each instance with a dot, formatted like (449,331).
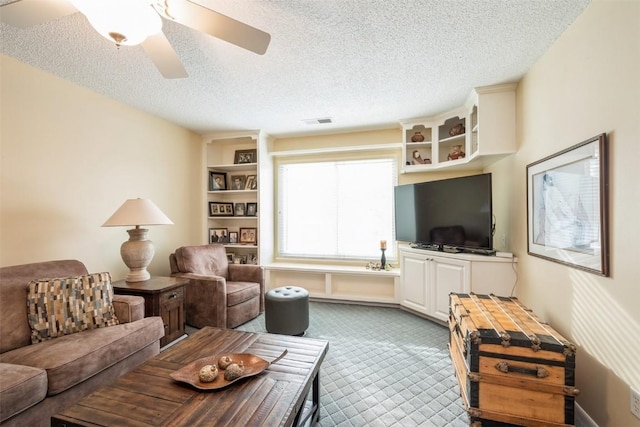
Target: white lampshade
(137,212)
(127,22)
(138,251)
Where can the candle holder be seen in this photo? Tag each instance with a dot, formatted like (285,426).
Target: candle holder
(383,260)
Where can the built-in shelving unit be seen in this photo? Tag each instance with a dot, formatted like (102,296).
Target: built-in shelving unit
(455,138)
(232,208)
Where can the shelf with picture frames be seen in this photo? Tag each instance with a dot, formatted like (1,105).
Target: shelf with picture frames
(232,187)
(471,136)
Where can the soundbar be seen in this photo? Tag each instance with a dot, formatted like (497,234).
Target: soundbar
(453,249)
(479,251)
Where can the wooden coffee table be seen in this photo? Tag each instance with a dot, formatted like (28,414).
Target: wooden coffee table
(148,396)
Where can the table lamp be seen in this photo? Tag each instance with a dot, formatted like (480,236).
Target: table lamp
(138,251)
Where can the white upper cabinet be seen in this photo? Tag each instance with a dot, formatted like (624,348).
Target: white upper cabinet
(470,137)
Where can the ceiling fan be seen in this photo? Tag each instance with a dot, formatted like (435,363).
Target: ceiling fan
(121,21)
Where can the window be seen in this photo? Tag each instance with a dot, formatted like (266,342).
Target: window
(336,209)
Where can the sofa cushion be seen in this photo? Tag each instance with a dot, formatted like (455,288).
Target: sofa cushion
(205,259)
(14,326)
(71,359)
(21,388)
(69,305)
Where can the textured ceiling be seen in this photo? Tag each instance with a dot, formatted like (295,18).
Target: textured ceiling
(364,63)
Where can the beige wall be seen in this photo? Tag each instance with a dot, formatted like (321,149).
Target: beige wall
(586,84)
(71,157)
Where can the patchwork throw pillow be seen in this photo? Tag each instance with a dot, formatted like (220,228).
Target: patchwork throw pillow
(65,306)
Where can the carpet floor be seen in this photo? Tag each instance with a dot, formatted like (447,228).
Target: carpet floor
(384,367)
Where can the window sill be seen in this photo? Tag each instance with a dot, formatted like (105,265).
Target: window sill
(331,268)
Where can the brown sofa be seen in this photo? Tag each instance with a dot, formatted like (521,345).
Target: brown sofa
(218,294)
(39,380)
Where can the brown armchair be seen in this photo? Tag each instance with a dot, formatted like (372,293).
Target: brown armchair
(218,294)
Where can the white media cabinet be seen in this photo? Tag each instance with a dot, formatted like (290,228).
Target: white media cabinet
(428,277)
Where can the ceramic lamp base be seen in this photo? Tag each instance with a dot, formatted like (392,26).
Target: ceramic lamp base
(137,253)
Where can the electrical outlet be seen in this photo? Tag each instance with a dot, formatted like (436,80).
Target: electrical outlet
(635,403)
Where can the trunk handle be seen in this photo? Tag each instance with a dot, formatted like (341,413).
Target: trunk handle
(538,371)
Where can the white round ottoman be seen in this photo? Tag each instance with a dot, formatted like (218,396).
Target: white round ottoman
(286,310)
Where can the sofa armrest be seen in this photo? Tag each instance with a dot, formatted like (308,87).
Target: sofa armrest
(196,276)
(205,299)
(246,273)
(128,308)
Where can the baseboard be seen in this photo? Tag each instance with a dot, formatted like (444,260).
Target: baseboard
(582,418)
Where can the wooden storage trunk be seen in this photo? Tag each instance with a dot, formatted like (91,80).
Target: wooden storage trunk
(512,368)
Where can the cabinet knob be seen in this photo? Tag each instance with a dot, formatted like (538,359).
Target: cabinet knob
(173,295)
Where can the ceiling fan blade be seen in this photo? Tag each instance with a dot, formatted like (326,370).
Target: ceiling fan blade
(216,24)
(26,13)
(162,54)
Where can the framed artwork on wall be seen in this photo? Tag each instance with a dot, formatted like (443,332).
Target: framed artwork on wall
(568,206)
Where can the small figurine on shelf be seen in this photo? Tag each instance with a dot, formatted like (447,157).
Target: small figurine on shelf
(457,130)
(456,153)
(418,160)
(417,137)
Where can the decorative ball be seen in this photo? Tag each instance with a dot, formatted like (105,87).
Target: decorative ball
(223,362)
(234,370)
(208,373)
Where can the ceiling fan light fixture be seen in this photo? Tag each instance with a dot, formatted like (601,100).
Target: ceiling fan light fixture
(127,22)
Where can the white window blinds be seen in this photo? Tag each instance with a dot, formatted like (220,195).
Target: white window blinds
(336,209)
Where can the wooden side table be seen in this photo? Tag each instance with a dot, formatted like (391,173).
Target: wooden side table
(164,297)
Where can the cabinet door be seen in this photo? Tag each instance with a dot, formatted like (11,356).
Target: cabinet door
(414,293)
(172,313)
(447,275)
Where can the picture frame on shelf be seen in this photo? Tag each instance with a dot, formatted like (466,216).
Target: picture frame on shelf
(240,259)
(248,236)
(217,181)
(245,156)
(230,257)
(252,182)
(239,209)
(252,209)
(568,205)
(252,258)
(233,237)
(220,209)
(237,182)
(218,235)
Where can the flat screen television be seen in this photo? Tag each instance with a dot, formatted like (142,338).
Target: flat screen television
(453,213)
